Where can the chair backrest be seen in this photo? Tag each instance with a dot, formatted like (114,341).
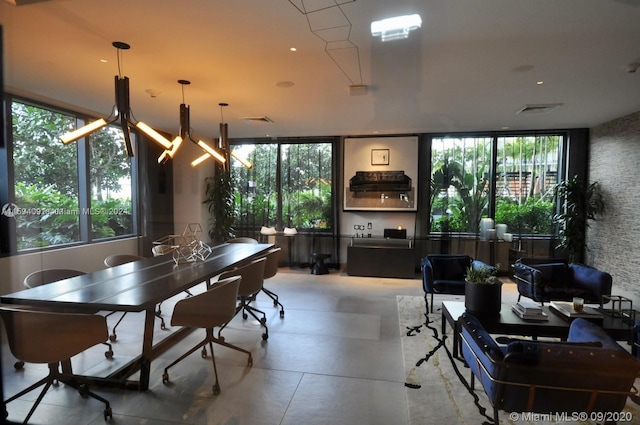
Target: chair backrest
(449,266)
(118,259)
(242,240)
(42,277)
(159,250)
(271,266)
(252,276)
(209,309)
(48,337)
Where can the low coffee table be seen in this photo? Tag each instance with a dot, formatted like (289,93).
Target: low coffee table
(508,323)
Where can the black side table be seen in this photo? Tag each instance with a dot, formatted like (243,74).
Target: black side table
(318,266)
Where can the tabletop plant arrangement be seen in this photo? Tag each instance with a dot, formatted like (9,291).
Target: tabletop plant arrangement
(483,290)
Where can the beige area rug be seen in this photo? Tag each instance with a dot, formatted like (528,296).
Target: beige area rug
(437,384)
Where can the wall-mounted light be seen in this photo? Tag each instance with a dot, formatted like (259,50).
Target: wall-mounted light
(121,112)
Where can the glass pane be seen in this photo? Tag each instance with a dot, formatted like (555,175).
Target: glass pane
(527,171)
(461,169)
(46,182)
(306,185)
(256,188)
(111,187)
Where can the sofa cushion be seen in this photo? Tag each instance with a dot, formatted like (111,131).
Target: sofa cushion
(454,287)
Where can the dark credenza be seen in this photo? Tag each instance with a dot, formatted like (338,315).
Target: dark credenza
(379,257)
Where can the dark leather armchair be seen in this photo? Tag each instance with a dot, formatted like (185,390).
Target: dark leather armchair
(555,280)
(589,372)
(445,274)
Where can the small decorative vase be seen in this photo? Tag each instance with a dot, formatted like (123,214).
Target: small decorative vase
(483,299)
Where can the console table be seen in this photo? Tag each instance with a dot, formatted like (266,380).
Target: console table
(381,257)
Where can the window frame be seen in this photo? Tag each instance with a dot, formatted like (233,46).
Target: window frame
(8,245)
(280,219)
(562,164)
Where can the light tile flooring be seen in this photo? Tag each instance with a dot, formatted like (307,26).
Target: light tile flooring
(335,358)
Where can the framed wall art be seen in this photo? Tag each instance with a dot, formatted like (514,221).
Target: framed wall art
(379,156)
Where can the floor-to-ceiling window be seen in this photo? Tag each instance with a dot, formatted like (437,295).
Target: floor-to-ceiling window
(291,184)
(508,178)
(64,194)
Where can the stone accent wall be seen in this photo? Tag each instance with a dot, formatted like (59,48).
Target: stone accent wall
(613,241)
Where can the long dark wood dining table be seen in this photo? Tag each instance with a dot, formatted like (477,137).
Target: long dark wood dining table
(135,287)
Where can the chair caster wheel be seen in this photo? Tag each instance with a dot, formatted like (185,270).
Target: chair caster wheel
(221,338)
(281,313)
(108,414)
(275,303)
(216,389)
(165,378)
(204,353)
(18,365)
(108,354)
(83,390)
(263,321)
(265,337)
(250,361)
(163,327)
(113,337)
(244,316)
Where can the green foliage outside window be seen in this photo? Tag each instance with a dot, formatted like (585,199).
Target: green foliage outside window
(525,174)
(47,183)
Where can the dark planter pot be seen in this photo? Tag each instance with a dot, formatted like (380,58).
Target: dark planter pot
(483,299)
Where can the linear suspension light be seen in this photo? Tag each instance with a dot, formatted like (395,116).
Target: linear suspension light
(224,142)
(121,112)
(185,133)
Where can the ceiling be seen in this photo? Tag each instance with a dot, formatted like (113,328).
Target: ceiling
(470,67)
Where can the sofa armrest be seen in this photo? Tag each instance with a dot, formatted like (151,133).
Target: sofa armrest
(482,354)
(584,331)
(427,275)
(530,281)
(593,281)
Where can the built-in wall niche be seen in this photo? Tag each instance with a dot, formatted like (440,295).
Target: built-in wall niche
(381,174)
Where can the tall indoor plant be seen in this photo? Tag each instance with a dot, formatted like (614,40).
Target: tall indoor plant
(219,199)
(581,202)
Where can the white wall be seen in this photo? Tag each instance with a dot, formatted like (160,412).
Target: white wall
(189,190)
(87,258)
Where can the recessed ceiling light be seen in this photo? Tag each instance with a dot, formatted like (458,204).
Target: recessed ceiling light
(395,28)
(540,82)
(293,49)
(285,84)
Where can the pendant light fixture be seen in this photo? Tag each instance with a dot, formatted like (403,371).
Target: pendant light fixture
(223,143)
(121,112)
(185,133)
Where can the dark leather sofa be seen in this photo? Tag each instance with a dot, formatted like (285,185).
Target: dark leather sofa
(556,280)
(589,372)
(445,274)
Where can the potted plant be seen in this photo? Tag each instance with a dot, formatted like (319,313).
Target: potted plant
(482,290)
(582,202)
